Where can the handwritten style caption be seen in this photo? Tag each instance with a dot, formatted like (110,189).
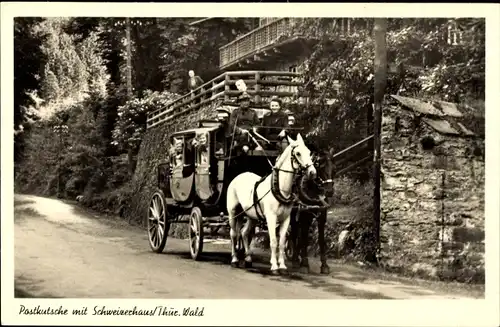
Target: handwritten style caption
(158,311)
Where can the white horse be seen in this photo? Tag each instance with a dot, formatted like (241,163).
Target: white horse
(270,197)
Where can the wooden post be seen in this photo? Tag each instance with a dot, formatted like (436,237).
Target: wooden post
(380,69)
(257,87)
(227,88)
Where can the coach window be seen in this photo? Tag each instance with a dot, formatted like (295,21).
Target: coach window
(202,148)
(189,153)
(176,151)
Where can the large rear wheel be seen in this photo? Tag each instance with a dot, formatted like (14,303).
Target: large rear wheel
(158,223)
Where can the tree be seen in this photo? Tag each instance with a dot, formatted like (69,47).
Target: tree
(73,70)
(28,67)
(131,123)
(441,58)
(186,47)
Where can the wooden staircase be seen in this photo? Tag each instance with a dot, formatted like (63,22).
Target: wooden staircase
(262,85)
(353,156)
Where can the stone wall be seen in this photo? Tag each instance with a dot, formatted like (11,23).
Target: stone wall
(432,200)
(154,150)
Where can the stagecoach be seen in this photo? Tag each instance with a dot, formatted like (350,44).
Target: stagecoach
(192,185)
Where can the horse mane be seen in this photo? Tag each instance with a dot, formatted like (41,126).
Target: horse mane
(280,160)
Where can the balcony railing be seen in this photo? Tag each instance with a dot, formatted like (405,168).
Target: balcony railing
(269,34)
(261,85)
(254,40)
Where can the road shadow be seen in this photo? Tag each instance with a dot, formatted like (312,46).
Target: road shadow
(213,257)
(18,202)
(22,210)
(29,289)
(261,266)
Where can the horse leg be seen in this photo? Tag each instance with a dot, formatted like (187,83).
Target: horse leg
(283,230)
(234,237)
(305,225)
(294,217)
(325,269)
(273,243)
(247,239)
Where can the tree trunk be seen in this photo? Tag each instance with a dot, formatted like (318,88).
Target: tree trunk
(130,160)
(129,60)
(380,68)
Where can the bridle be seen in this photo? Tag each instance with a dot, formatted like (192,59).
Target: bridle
(294,161)
(297,167)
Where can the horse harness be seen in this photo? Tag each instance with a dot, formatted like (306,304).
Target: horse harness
(275,187)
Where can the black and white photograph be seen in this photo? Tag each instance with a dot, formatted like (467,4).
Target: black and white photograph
(247,157)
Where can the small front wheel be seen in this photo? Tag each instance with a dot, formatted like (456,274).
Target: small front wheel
(196,233)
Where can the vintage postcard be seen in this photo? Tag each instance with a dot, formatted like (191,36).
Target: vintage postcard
(201,163)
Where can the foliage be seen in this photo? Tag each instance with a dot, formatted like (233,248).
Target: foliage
(73,70)
(37,171)
(28,65)
(78,66)
(131,123)
(427,64)
(188,47)
(78,156)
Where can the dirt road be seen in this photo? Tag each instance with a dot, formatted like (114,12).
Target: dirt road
(63,251)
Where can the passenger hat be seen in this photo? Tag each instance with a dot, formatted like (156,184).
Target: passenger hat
(244,96)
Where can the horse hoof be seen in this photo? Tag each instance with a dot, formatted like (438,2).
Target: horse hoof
(283,271)
(304,270)
(248,264)
(325,270)
(275,272)
(234,264)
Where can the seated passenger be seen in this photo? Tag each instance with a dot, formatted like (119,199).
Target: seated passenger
(274,124)
(242,120)
(178,152)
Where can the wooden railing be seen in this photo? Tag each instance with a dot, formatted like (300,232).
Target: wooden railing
(254,40)
(268,34)
(261,85)
(356,155)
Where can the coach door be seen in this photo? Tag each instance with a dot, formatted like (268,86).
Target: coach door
(183,162)
(203,183)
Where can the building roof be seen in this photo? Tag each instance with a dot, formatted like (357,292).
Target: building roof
(444,117)
(196,130)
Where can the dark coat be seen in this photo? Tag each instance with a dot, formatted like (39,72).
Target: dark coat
(243,118)
(277,120)
(197,83)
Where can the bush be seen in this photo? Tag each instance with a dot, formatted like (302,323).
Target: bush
(113,202)
(357,219)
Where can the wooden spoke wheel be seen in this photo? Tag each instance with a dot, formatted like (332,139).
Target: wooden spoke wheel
(158,223)
(196,233)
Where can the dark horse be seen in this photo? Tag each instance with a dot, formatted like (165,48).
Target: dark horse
(312,193)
